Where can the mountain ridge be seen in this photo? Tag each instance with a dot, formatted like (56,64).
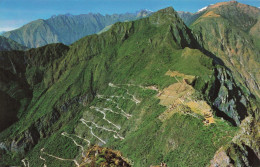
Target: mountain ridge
(66,28)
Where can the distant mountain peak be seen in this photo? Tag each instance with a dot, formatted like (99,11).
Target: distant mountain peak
(205,8)
(143,13)
(224,3)
(60,29)
(144,10)
(202,9)
(148,10)
(167,11)
(68,14)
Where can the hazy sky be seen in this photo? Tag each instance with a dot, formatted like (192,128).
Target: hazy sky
(15,13)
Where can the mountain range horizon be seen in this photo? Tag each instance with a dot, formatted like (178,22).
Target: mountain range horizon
(163,88)
(9,22)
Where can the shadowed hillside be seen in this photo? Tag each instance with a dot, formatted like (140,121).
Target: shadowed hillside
(8,44)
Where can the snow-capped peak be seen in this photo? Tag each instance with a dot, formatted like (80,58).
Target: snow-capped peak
(202,9)
(148,10)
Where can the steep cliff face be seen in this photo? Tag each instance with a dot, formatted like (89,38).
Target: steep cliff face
(103,89)
(227,98)
(228,30)
(244,148)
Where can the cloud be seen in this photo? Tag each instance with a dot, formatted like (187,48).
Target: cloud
(7,28)
(8,25)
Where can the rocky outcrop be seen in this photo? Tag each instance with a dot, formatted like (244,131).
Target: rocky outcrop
(226,97)
(221,159)
(244,149)
(98,156)
(230,100)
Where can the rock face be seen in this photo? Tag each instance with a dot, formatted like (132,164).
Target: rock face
(221,159)
(230,100)
(244,148)
(66,29)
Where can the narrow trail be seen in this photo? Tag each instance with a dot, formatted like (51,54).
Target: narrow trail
(125,98)
(133,85)
(117,106)
(78,145)
(25,164)
(86,140)
(91,131)
(44,165)
(61,159)
(104,116)
(116,134)
(110,110)
(118,97)
(134,99)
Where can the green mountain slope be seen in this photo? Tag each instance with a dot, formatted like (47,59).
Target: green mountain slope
(8,44)
(143,87)
(66,28)
(230,31)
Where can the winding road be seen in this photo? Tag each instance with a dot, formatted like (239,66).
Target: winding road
(104,116)
(91,130)
(91,124)
(117,106)
(61,159)
(25,164)
(134,99)
(78,145)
